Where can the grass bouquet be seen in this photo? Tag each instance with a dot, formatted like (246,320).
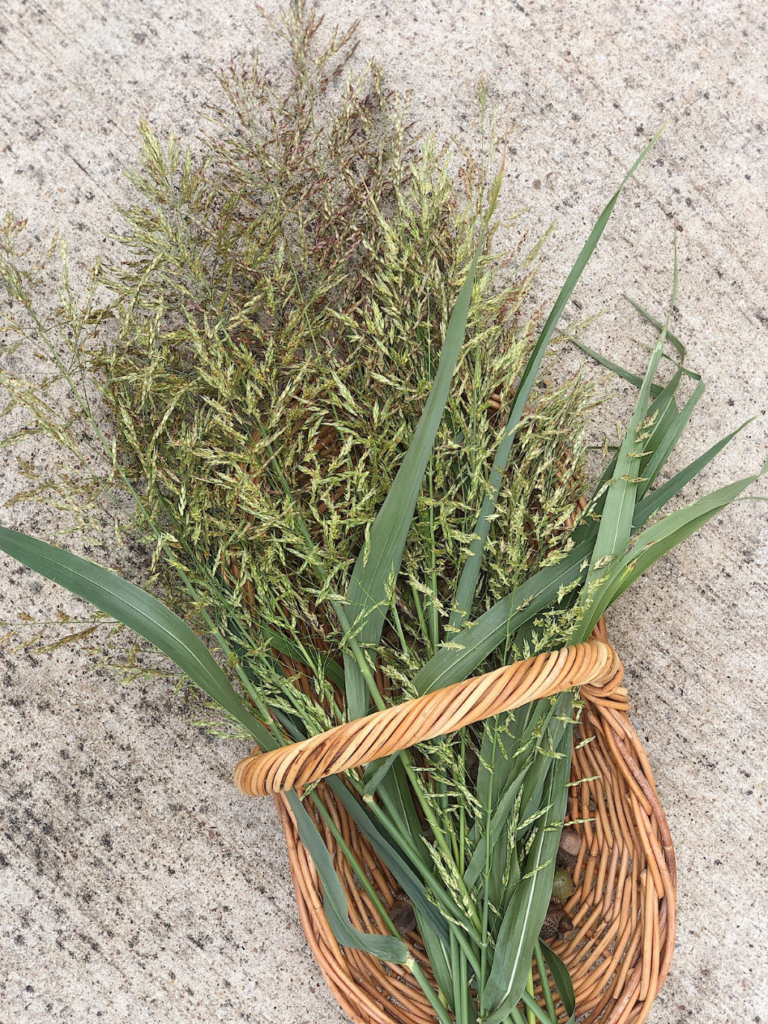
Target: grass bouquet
(333,411)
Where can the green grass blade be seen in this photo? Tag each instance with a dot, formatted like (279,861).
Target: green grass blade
(527,908)
(616,520)
(663,410)
(504,751)
(385,947)
(511,755)
(395,793)
(661,537)
(653,501)
(141,612)
(627,375)
(658,326)
(618,511)
(470,573)
(540,963)
(379,561)
(283,644)
(562,980)
(535,781)
(535,1012)
(390,853)
(656,500)
(498,822)
(664,448)
(438,959)
(477,641)
(375,772)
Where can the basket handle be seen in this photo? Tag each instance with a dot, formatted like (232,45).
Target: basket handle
(594,665)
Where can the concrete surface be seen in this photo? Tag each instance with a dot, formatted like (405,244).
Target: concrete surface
(135,883)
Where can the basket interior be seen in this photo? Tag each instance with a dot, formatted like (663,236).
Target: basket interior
(622,908)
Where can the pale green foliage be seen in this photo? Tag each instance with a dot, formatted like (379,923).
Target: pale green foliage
(279,325)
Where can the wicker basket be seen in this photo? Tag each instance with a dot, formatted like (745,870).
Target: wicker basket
(623,905)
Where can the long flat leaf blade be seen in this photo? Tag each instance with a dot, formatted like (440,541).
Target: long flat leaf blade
(385,947)
(657,324)
(663,410)
(627,375)
(617,516)
(656,540)
(562,980)
(688,520)
(497,823)
(527,908)
(138,610)
(380,559)
(477,641)
(657,499)
(392,856)
(281,643)
(668,441)
(470,573)
(438,955)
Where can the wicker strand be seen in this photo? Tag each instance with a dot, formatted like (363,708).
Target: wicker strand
(594,666)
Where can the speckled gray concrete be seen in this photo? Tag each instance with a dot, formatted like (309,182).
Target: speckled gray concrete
(135,883)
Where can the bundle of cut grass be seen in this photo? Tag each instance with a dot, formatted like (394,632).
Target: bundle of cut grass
(330,415)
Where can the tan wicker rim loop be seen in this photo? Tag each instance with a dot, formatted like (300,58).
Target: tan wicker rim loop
(623,904)
(594,666)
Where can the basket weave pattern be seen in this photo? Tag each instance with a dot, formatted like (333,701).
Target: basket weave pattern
(623,905)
